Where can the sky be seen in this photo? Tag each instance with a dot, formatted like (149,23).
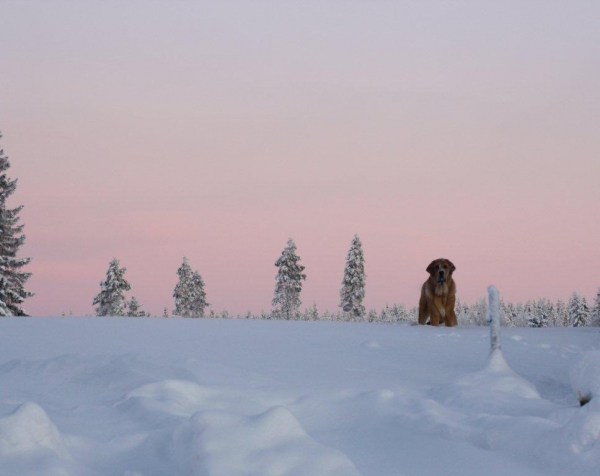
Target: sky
(148,131)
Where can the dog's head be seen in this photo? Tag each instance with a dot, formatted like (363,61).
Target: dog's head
(440,270)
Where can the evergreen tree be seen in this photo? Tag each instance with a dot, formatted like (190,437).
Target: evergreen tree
(12,279)
(561,314)
(353,284)
(311,313)
(165,312)
(111,301)
(288,283)
(134,308)
(510,314)
(199,296)
(579,311)
(190,298)
(538,315)
(596,310)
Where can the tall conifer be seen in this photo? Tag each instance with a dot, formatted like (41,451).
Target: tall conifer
(189,294)
(353,284)
(288,285)
(12,279)
(111,300)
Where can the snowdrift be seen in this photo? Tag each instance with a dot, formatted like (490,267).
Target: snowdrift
(149,397)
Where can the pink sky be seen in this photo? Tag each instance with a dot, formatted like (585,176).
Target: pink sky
(148,131)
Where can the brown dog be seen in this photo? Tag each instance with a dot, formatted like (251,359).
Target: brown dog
(438,295)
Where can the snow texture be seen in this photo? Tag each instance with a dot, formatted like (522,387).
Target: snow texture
(190,397)
(585,377)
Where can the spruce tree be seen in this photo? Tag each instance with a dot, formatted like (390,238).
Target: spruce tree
(110,300)
(199,295)
(288,285)
(353,284)
(134,308)
(190,298)
(12,278)
(596,310)
(579,311)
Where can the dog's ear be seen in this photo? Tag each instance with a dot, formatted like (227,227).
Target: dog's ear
(452,267)
(431,267)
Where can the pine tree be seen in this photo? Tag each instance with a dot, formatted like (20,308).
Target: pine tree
(12,279)
(579,311)
(288,285)
(165,312)
(190,298)
(353,284)
(134,308)
(111,301)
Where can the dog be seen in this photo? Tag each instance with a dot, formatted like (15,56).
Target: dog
(438,295)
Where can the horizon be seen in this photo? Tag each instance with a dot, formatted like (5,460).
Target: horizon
(149,132)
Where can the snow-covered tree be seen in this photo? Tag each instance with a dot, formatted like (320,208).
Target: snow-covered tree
(311,313)
(561,317)
(288,283)
(371,316)
(537,314)
(353,284)
(110,300)
(596,310)
(189,294)
(12,278)
(579,311)
(134,308)
(510,314)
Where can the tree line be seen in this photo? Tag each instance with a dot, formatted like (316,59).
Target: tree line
(190,299)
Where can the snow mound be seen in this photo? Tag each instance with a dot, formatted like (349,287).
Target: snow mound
(495,390)
(272,443)
(585,376)
(29,430)
(174,397)
(499,377)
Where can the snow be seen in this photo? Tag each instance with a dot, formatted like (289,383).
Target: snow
(585,376)
(150,396)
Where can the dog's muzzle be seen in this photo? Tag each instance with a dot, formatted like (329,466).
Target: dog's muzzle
(441,277)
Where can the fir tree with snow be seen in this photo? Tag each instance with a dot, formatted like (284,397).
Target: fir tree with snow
(288,283)
(111,300)
(595,312)
(353,284)
(199,303)
(165,312)
(537,315)
(579,311)
(12,278)
(561,316)
(189,294)
(134,308)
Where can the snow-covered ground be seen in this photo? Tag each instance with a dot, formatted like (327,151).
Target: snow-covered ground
(132,397)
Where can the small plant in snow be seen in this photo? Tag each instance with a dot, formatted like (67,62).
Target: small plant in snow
(134,308)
